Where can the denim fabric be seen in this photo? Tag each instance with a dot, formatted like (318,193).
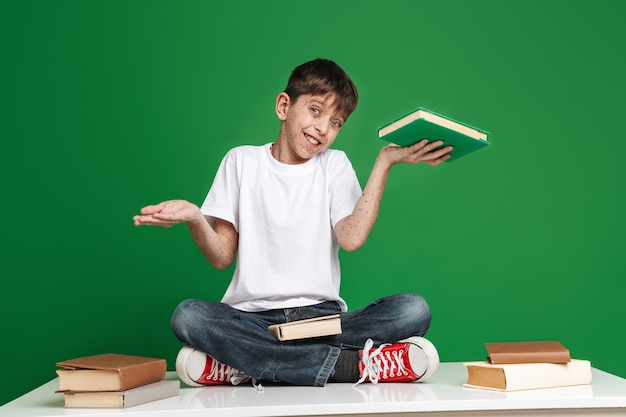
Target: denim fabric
(241,340)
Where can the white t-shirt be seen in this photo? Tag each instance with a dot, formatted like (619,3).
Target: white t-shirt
(288,254)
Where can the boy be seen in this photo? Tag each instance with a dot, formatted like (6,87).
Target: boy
(284,209)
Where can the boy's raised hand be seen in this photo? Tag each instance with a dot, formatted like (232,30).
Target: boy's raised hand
(423,151)
(168,213)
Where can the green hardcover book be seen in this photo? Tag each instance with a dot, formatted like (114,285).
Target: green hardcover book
(424,124)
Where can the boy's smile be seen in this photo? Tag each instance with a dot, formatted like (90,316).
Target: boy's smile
(310,125)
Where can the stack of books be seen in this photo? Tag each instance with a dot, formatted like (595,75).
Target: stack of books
(514,366)
(113,380)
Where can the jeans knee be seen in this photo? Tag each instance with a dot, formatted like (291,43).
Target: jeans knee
(182,318)
(416,312)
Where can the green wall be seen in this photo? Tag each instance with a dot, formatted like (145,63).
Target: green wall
(111,105)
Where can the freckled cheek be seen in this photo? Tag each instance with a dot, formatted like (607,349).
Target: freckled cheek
(331,140)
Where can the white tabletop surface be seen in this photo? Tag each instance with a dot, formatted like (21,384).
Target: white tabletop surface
(443,392)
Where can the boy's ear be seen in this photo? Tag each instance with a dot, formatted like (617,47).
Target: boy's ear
(283,101)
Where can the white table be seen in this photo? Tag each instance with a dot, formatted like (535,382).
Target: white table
(442,395)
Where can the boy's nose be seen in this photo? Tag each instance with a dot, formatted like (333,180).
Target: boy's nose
(321,125)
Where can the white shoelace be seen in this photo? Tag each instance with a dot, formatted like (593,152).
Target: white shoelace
(379,364)
(223,372)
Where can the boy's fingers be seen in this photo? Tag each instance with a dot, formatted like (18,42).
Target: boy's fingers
(419,145)
(170,216)
(153,221)
(424,147)
(154,208)
(434,154)
(435,144)
(150,209)
(439,157)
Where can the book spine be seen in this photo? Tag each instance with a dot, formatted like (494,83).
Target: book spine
(275,331)
(530,357)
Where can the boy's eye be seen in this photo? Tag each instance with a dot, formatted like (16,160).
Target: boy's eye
(315,110)
(337,124)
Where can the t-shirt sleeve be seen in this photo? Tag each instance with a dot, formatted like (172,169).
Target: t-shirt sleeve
(222,201)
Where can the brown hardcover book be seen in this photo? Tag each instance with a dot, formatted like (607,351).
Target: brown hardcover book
(109,372)
(302,329)
(523,376)
(123,399)
(526,352)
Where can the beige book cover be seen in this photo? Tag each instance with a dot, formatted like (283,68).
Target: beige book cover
(302,329)
(123,399)
(524,376)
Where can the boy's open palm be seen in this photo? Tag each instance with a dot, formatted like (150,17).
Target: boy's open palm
(423,151)
(168,213)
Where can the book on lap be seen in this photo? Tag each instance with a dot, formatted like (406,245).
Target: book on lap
(302,329)
(422,124)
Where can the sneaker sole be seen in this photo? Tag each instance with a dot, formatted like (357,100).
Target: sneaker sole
(182,361)
(423,353)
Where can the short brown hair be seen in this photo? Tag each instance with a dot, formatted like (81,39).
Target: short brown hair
(322,76)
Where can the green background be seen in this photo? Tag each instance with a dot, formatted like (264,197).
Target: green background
(111,105)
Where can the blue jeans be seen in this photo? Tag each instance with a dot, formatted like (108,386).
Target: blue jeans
(240,339)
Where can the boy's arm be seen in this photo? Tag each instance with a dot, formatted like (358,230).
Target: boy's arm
(353,230)
(218,243)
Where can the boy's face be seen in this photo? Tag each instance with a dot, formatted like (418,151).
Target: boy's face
(310,125)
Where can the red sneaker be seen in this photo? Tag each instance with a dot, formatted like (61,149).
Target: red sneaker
(196,369)
(409,360)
